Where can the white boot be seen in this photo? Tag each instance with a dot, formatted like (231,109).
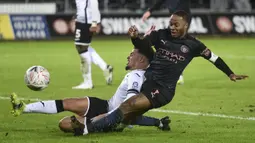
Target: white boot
(108,74)
(84,85)
(181,80)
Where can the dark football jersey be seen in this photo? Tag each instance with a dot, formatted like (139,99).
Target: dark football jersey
(172,56)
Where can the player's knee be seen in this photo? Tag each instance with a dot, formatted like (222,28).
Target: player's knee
(65,125)
(76,105)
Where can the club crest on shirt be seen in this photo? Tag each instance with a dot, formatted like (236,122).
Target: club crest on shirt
(135,85)
(184,49)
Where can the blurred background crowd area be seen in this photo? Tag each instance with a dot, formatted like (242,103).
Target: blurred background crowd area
(139,6)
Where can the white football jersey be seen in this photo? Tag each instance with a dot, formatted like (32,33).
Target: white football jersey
(130,86)
(87,11)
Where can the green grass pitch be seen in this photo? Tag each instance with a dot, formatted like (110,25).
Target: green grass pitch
(206,90)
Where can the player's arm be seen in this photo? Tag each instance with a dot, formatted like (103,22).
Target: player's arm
(151,9)
(95,14)
(156,6)
(218,62)
(150,37)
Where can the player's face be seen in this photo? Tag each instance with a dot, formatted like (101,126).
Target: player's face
(178,26)
(133,59)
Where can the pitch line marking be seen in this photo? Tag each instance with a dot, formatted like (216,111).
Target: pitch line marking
(204,114)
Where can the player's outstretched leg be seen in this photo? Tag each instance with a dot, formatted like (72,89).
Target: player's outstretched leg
(78,106)
(162,124)
(17,105)
(128,109)
(97,60)
(79,127)
(85,67)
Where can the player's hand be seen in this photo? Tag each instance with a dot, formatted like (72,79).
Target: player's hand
(98,28)
(234,77)
(153,27)
(93,29)
(146,15)
(133,31)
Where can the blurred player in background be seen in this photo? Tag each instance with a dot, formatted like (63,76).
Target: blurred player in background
(173,6)
(87,18)
(89,107)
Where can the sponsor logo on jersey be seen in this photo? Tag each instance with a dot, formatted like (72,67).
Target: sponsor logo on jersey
(164,42)
(170,56)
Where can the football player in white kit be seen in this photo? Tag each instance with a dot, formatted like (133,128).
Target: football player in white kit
(89,107)
(86,24)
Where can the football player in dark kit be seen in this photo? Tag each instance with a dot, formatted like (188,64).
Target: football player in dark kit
(173,6)
(175,49)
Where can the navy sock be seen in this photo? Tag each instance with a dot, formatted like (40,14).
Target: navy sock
(146,121)
(59,104)
(106,123)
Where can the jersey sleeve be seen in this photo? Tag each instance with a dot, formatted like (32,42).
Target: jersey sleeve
(95,11)
(157,5)
(203,51)
(206,53)
(149,38)
(152,37)
(135,81)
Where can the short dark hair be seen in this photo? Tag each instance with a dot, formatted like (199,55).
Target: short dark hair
(182,14)
(144,47)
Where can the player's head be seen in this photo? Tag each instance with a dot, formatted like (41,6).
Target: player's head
(178,24)
(140,58)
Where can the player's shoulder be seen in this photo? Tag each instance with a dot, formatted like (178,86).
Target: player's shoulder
(194,41)
(136,73)
(160,30)
(165,30)
(163,33)
(192,38)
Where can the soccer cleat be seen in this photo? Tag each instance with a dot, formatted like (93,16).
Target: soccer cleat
(79,128)
(181,80)
(83,85)
(108,73)
(164,124)
(17,105)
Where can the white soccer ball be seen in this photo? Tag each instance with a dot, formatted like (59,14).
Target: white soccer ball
(37,78)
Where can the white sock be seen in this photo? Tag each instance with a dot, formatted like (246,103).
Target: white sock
(86,67)
(96,59)
(85,130)
(48,107)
